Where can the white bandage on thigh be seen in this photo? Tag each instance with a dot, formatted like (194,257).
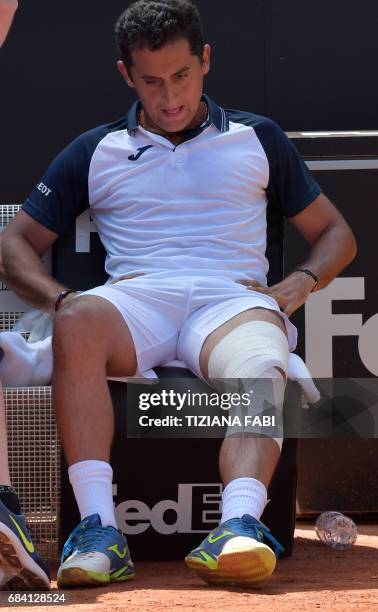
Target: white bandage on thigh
(251,351)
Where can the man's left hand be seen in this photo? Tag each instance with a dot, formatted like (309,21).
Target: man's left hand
(290,294)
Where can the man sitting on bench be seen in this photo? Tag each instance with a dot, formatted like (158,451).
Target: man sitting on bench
(178,190)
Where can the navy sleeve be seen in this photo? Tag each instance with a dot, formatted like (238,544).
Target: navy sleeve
(291,187)
(62,194)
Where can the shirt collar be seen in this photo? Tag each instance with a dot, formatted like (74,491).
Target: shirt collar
(217,116)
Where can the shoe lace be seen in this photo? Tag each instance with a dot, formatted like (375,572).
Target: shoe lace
(83,540)
(250,527)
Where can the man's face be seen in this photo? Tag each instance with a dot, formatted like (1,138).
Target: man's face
(169,84)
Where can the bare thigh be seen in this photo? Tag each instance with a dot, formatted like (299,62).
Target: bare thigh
(91,330)
(254,314)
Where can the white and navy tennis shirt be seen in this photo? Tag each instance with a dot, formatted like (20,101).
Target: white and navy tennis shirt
(198,208)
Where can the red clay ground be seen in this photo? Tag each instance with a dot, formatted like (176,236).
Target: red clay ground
(316,577)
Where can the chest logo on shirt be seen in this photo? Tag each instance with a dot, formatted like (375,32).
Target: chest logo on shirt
(141,150)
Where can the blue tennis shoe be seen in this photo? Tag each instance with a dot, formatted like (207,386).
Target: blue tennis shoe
(94,555)
(21,567)
(234,554)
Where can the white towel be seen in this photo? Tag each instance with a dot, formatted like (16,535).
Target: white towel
(25,364)
(297,370)
(39,325)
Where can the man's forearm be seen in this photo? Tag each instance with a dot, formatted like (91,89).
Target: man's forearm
(7,11)
(26,275)
(332,252)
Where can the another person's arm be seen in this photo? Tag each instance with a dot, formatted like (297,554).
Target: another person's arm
(7,11)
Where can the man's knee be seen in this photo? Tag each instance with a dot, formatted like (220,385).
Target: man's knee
(253,358)
(249,350)
(248,316)
(91,327)
(72,323)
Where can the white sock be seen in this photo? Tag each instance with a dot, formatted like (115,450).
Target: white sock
(92,485)
(243,496)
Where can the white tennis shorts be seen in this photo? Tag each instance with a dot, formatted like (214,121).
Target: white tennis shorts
(170,317)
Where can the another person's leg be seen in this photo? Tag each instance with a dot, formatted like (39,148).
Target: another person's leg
(21,567)
(251,345)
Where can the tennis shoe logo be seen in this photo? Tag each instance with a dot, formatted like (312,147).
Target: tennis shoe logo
(141,150)
(27,543)
(115,549)
(212,539)
(211,563)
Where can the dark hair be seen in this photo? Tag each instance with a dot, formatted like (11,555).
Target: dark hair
(155,23)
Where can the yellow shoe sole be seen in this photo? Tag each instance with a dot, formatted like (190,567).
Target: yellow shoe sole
(243,562)
(78,577)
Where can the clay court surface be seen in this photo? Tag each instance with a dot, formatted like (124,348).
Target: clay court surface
(315,578)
